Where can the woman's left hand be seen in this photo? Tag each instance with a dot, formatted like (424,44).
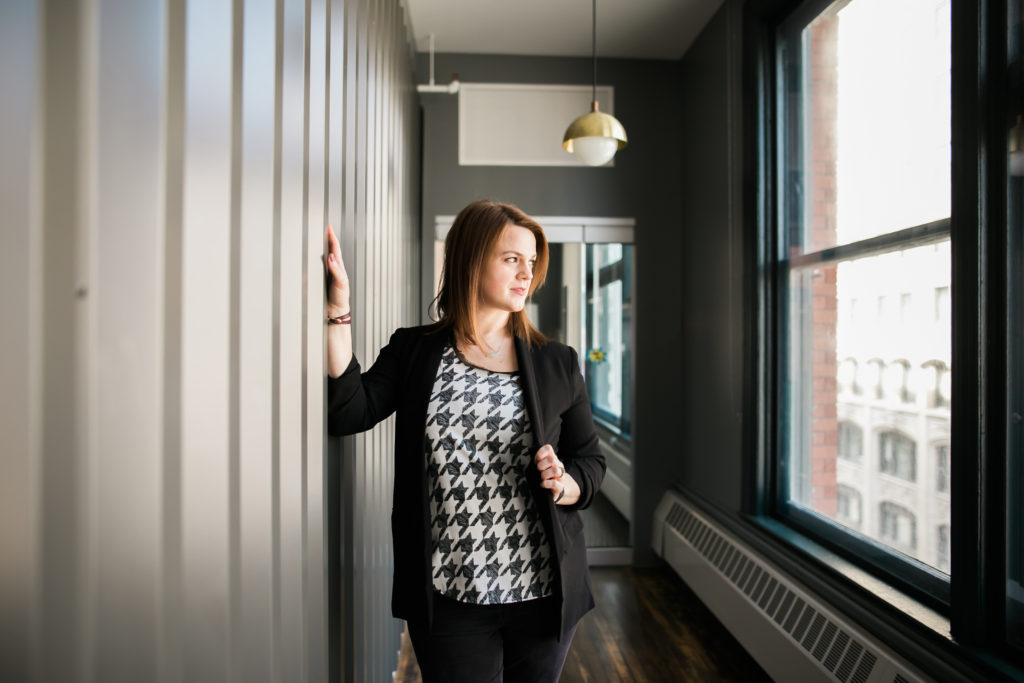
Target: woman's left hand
(553,476)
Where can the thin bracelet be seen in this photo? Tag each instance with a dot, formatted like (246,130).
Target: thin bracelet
(559,496)
(341,320)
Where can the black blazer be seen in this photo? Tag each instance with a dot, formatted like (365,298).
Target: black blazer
(400,382)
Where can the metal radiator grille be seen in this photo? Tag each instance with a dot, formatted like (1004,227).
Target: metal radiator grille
(841,653)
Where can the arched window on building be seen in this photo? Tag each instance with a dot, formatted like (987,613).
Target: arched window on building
(849,506)
(942,549)
(851,441)
(897,526)
(941,452)
(897,455)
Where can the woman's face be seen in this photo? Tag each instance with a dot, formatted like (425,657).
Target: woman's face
(508,271)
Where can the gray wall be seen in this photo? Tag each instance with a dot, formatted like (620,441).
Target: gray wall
(168,167)
(644,184)
(712,266)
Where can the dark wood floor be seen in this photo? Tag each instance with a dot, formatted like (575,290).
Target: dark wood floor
(648,626)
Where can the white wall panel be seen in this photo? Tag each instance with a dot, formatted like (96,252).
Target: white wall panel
(206,348)
(290,467)
(20,334)
(126,189)
(379,241)
(168,168)
(62,543)
(255,363)
(171,588)
(315,594)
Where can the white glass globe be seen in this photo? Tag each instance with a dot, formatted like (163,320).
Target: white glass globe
(594,151)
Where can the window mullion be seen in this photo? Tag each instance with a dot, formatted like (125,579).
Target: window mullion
(916,236)
(975,515)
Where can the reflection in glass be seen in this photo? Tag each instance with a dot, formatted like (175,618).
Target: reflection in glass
(608,325)
(586,303)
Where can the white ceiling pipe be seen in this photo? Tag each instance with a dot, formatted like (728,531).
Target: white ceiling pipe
(451,88)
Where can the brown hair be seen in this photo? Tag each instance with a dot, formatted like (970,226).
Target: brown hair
(469,243)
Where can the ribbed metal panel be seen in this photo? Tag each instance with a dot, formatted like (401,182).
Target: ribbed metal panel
(380,240)
(21,349)
(168,168)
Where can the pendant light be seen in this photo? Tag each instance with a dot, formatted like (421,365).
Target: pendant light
(594,137)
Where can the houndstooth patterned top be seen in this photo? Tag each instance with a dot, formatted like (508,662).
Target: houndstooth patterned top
(489,543)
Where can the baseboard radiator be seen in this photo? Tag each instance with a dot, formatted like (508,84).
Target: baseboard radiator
(793,636)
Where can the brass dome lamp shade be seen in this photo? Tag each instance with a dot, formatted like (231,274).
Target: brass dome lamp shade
(594,137)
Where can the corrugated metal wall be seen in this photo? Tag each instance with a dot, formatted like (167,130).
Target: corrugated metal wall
(170,509)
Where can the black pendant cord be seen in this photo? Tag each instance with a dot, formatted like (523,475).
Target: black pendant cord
(593,45)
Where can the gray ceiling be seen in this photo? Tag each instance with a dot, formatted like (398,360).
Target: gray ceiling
(650,29)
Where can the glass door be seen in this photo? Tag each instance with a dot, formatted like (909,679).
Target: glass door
(587,303)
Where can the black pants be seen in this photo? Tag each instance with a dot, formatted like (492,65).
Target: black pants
(484,643)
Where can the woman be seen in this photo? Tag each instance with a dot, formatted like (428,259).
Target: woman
(495,451)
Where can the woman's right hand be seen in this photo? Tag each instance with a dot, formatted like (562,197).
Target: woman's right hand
(337,279)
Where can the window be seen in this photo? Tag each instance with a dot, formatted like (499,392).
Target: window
(608,317)
(897,526)
(855,204)
(851,441)
(587,303)
(942,468)
(849,506)
(942,550)
(897,455)
(862,265)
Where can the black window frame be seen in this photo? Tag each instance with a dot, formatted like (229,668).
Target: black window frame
(978,230)
(621,270)
(915,578)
